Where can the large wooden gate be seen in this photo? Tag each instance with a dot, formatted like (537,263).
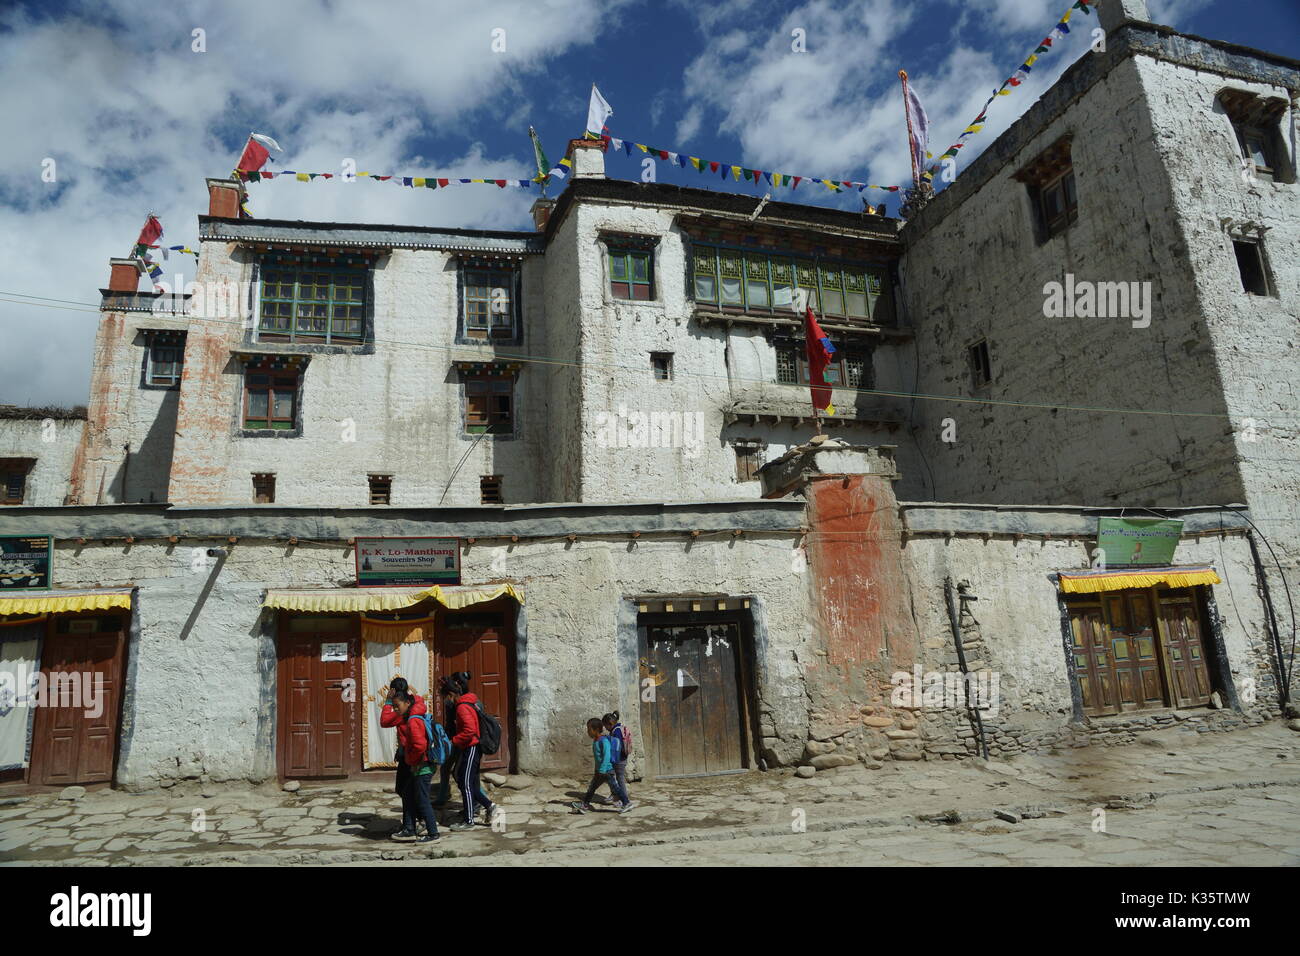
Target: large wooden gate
(693,705)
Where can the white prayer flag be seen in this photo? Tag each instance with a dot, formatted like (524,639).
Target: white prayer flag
(920,124)
(597,112)
(267,141)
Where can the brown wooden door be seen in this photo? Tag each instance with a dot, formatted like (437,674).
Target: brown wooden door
(483,645)
(74,739)
(1092,667)
(1133,650)
(694,721)
(1189,680)
(318,699)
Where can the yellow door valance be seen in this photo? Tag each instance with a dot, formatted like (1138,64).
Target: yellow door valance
(1089,582)
(60,602)
(353,600)
(396,632)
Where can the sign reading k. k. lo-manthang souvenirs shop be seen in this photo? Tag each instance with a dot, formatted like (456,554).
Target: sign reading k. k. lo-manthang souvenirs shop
(25,563)
(1138,540)
(394,562)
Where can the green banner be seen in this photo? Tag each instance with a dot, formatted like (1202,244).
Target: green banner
(25,563)
(1140,541)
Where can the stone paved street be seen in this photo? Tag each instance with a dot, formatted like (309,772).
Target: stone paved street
(1177,798)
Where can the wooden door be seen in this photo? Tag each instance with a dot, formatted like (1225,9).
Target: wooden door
(483,645)
(1092,667)
(74,740)
(1133,654)
(1189,680)
(318,697)
(694,723)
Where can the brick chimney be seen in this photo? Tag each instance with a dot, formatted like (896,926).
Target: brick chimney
(588,157)
(224,197)
(1113,13)
(542,209)
(124,275)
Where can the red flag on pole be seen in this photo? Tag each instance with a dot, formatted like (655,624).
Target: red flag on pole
(820,351)
(149,235)
(254,157)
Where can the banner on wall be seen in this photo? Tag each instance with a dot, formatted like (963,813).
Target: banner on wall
(398,562)
(25,563)
(1139,541)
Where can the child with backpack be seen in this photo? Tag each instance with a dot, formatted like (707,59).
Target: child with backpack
(603,766)
(422,746)
(620,748)
(468,741)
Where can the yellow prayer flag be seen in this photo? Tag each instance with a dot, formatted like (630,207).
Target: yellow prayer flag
(642,147)
(735,171)
(303,178)
(417,181)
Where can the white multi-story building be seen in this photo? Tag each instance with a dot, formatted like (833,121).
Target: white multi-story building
(1094,322)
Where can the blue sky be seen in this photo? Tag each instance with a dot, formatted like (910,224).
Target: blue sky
(135,118)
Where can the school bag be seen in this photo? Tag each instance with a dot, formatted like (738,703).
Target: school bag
(489,730)
(622,742)
(439,742)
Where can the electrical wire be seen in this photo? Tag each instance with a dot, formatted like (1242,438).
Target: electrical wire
(616,366)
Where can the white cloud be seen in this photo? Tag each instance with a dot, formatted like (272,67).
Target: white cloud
(136,120)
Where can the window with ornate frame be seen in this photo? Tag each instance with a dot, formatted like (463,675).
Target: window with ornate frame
(489,397)
(752,280)
(164,358)
(313,299)
(490,290)
(1050,181)
(1256,122)
(272,384)
(851,368)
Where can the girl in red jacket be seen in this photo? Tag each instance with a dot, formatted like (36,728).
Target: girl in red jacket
(463,704)
(406,713)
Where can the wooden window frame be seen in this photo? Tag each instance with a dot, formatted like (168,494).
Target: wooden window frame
(1064,186)
(490,491)
(491,418)
(151,376)
(1259,259)
(11,468)
(272,293)
(279,382)
(379,485)
(497,275)
(840,366)
(262,481)
(749,458)
(773,270)
(667,360)
(626,255)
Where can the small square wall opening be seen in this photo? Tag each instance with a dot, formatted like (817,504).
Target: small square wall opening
(381,489)
(1250,264)
(264,487)
(489,487)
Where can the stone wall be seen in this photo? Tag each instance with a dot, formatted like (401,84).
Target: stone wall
(52,442)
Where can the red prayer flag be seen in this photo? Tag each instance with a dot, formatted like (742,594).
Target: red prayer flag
(820,351)
(443,182)
(150,233)
(500,182)
(713,167)
(254,157)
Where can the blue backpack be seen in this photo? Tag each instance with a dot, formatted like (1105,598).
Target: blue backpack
(439,742)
